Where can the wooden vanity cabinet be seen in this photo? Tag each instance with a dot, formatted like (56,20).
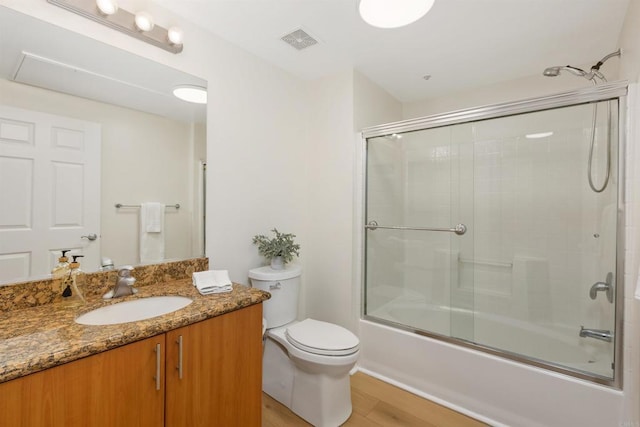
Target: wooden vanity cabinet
(107,389)
(220,384)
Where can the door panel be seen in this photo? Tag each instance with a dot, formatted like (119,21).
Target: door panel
(50,187)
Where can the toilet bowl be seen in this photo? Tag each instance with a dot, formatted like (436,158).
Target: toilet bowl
(306,363)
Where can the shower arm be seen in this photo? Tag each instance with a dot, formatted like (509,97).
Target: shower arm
(599,64)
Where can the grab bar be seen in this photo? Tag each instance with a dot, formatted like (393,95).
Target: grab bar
(459,229)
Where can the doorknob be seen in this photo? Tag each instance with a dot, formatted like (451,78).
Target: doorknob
(91,237)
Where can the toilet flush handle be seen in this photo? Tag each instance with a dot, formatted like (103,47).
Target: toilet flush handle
(274,287)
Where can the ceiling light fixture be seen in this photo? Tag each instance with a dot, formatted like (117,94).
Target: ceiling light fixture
(190,93)
(139,25)
(393,13)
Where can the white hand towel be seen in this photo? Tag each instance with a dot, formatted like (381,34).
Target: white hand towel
(212,281)
(152,217)
(151,243)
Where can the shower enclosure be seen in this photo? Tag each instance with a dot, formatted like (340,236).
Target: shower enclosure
(481,229)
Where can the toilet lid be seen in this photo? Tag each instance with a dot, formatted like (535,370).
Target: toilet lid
(322,338)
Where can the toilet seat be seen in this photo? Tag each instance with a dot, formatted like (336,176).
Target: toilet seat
(322,338)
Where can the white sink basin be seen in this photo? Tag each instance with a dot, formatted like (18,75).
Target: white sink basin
(134,310)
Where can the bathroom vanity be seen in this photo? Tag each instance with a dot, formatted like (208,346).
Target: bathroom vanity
(198,366)
(216,380)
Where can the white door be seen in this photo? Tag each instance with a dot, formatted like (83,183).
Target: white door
(49,192)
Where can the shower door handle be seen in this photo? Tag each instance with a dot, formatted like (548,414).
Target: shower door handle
(459,229)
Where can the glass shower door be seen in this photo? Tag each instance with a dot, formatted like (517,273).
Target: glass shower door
(535,275)
(416,231)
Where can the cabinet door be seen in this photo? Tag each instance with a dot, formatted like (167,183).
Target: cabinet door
(114,388)
(221,382)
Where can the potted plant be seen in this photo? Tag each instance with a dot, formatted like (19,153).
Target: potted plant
(279,249)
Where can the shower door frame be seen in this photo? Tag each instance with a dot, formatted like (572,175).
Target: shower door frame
(604,92)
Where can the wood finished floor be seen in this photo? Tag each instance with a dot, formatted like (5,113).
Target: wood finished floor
(376,403)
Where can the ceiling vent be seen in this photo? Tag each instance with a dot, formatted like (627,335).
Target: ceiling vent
(299,39)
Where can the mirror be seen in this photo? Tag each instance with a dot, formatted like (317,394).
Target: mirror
(148,146)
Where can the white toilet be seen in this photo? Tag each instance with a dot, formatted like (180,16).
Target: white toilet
(306,363)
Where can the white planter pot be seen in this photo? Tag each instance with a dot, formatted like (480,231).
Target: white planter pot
(277,263)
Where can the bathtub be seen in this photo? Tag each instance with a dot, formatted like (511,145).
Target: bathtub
(555,344)
(490,388)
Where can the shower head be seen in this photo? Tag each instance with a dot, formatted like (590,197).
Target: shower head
(551,72)
(555,71)
(594,74)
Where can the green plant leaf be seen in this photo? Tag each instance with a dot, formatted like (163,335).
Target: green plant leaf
(282,244)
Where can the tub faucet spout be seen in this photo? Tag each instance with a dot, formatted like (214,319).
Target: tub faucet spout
(599,334)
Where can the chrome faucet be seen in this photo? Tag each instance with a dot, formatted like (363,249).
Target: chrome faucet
(124,284)
(599,334)
(605,286)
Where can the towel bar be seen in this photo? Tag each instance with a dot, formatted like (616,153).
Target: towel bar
(120,205)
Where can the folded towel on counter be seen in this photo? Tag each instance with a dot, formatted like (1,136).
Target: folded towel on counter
(212,282)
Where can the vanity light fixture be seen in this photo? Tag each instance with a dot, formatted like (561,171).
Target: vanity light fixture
(139,25)
(191,93)
(393,13)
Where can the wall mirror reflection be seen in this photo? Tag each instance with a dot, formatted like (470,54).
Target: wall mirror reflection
(84,127)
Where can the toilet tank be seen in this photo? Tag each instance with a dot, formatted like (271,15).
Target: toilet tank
(284,286)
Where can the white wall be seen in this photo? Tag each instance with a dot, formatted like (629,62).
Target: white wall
(372,104)
(329,201)
(256,163)
(629,44)
(127,137)
(630,70)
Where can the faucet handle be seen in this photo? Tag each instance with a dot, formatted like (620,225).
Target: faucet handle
(125,271)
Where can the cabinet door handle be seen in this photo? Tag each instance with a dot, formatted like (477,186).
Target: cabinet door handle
(179,367)
(157,377)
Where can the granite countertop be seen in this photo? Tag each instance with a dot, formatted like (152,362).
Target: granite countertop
(37,338)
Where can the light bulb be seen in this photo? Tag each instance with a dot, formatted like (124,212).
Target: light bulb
(144,21)
(175,35)
(393,13)
(189,93)
(107,7)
